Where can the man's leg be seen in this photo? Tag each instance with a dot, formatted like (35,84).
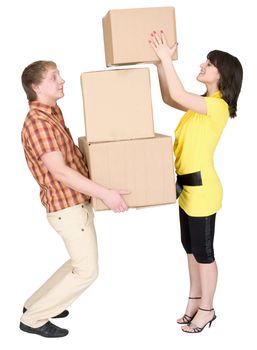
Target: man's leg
(53,280)
(75,225)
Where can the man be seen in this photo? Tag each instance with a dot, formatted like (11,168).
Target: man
(59,168)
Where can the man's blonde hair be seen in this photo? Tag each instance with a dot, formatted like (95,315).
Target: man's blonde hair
(33,74)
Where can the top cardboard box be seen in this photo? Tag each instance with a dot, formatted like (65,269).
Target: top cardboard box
(127,32)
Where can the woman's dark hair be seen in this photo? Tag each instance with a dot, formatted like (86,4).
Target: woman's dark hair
(231,76)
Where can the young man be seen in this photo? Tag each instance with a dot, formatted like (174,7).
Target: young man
(59,168)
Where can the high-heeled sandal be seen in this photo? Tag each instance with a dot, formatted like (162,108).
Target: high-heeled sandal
(186,318)
(195,328)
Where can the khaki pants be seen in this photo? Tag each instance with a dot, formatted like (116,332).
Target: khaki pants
(75,226)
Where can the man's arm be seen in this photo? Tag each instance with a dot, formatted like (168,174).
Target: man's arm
(55,163)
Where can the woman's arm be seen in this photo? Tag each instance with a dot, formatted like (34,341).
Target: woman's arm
(174,86)
(165,90)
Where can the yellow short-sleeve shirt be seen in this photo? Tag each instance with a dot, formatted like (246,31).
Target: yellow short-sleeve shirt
(196,138)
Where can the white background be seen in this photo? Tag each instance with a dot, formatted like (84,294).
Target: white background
(143,286)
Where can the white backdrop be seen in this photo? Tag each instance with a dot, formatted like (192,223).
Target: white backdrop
(143,286)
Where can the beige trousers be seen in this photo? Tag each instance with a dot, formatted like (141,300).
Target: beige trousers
(76,227)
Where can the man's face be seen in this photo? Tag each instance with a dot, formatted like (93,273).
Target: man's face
(51,87)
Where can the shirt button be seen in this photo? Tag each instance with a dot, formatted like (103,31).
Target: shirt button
(59,218)
(82,229)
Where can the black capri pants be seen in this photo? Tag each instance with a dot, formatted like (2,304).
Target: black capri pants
(197,234)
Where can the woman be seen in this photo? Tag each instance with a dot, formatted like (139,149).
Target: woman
(198,185)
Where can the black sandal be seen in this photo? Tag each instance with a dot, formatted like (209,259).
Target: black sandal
(186,319)
(195,328)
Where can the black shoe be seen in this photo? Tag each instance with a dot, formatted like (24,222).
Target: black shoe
(48,330)
(195,329)
(63,314)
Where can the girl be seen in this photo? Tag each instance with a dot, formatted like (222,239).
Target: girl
(198,185)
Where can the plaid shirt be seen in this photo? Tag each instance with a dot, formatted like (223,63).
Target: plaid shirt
(44,131)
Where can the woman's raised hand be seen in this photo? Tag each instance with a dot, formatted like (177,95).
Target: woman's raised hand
(160,46)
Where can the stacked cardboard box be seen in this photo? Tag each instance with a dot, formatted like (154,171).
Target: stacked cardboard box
(117,104)
(126,34)
(120,145)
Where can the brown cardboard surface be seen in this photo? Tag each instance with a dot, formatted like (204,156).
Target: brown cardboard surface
(117,104)
(126,34)
(142,166)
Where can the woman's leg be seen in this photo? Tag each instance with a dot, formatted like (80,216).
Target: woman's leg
(202,235)
(195,290)
(194,277)
(208,277)
(193,269)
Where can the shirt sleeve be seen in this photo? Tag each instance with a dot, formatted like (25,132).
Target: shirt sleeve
(217,109)
(41,137)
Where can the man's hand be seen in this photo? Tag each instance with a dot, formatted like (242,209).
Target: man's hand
(55,163)
(114,200)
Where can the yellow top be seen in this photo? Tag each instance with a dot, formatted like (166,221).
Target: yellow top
(196,137)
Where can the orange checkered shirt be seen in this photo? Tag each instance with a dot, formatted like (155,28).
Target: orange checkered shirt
(44,131)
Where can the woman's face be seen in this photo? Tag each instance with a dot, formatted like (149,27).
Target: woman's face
(209,74)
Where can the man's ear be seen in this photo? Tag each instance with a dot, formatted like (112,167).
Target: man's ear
(36,88)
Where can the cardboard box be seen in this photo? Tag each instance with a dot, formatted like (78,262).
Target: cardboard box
(127,32)
(117,104)
(142,166)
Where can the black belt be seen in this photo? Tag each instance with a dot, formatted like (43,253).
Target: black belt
(192,179)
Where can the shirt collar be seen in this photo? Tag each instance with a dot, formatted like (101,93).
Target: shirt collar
(216,94)
(45,108)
